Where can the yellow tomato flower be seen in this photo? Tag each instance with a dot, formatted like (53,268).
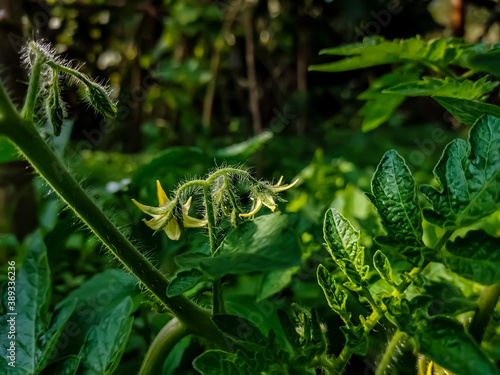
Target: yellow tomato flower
(160,214)
(266,199)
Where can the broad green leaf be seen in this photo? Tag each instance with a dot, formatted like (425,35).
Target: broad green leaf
(469,177)
(383,267)
(445,341)
(447,87)
(244,149)
(66,366)
(447,298)
(467,111)
(476,257)
(238,328)
(106,342)
(343,243)
(264,244)
(35,338)
(335,296)
(184,281)
(395,197)
(95,300)
(274,282)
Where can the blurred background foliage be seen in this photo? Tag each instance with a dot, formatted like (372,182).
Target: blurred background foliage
(203,83)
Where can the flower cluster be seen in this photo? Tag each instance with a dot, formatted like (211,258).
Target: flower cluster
(221,199)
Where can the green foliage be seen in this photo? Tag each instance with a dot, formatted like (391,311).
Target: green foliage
(469,178)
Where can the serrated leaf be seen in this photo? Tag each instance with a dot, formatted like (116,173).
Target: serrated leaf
(475,257)
(447,87)
(469,177)
(383,267)
(184,281)
(395,197)
(378,51)
(467,111)
(238,328)
(335,296)
(445,341)
(343,244)
(105,343)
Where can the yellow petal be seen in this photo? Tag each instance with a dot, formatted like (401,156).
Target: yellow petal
(162,196)
(173,230)
(279,182)
(152,211)
(270,203)
(256,207)
(156,222)
(278,189)
(186,206)
(192,222)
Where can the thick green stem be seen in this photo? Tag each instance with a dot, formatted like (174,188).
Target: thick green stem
(485,306)
(346,353)
(40,155)
(218,301)
(163,343)
(384,363)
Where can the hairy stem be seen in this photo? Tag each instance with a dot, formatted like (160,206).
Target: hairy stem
(24,135)
(218,301)
(163,343)
(343,358)
(396,339)
(485,306)
(29,104)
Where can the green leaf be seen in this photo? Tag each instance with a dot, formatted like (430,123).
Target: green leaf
(238,328)
(275,281)
(356,339)
(216,362)
(175,356)
(475,257)
(244,149)
(445,341)
(335,296)
(467,111)
(447,87)
(395,197)
(383,267)
(380,106)
(378,51)
(106,342)
(33,343)
(96,299)
(66,366)
(343,243)
(264,244)
(469,177)
(184,281)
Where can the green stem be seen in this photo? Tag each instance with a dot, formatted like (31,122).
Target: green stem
(24,135)
(218,301)
(485,306)
(29,104)
(163,343)
(389,352)
(346,353)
